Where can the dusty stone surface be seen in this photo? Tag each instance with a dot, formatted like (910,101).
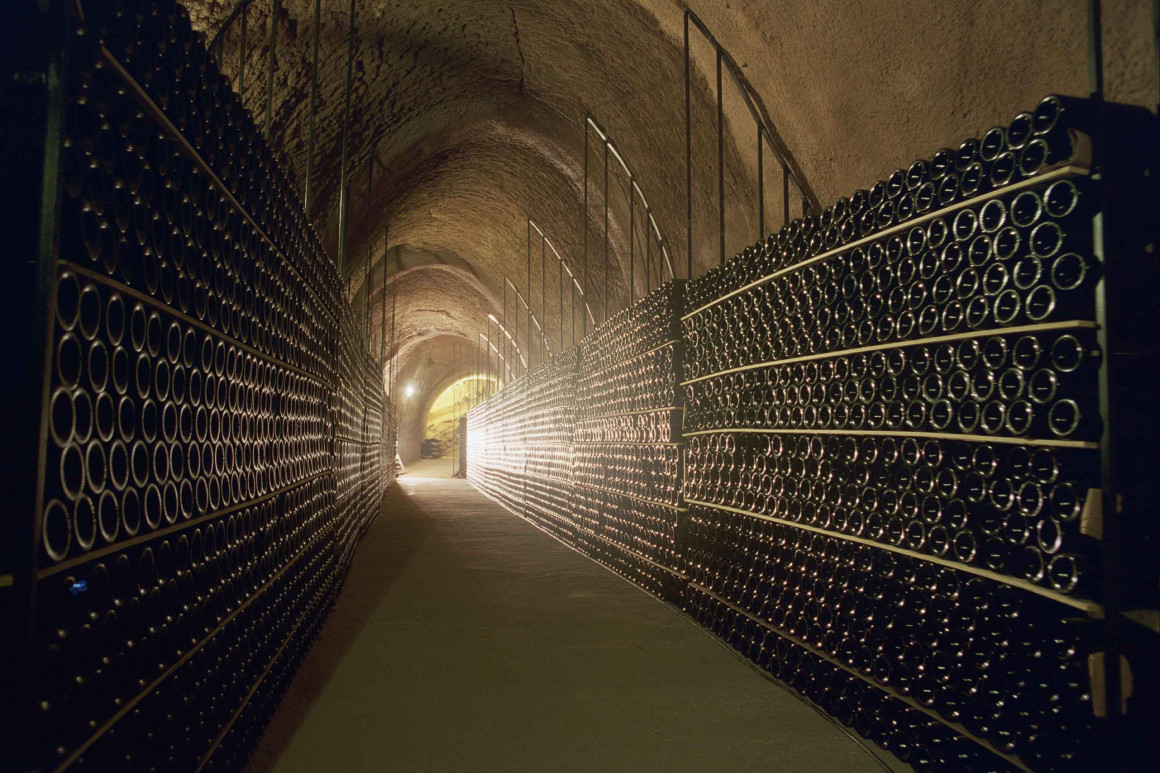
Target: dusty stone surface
(474,113)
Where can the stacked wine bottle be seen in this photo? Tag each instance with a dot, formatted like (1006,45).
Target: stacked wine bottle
(628,452)
(892,431)
(893,461)
(520,444)
(217,432)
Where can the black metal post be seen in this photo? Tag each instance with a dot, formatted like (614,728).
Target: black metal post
(366,314)
(648,254)
(720,158)
(584,230)
(306,190)
(342,191)
(785,194)
(383,300)
(560,292)
(275,8)
(604,318)
(543,300)
(631,242)
(1110,544)
(760,182)
(688,157)
(242,55)
(503,373)
(394,350)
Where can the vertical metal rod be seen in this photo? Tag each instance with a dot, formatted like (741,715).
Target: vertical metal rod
(784,194)
(306,191)
(631,242)
(560,305)
(584,230)
(605,317)
(720,157)
(383,298)
(648,253)
(242,55)
(688,159)
(760,183)
(394,352)
(572,315)
(275,9)
(342,191)
(455,396)
(367,251)
(503,373)
(543,300)
(1107,343)
(1156,50)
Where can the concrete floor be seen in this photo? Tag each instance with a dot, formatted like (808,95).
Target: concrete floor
(429,468)
(466,639)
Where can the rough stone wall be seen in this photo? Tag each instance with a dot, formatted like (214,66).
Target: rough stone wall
(474,111)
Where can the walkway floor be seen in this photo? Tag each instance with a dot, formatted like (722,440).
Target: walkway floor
(468,640)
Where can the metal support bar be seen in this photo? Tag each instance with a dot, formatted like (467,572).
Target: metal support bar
(342,191)
(604,317)
(785,194)
(648,259)
(503,374)
(543,300)
(688,158)
(635,188)
(271,60)
(760,184)
(1107,343)
(584,230)
(560,293)
(242,54)
(307,190)
(810,201)
(631,242)
(367,229)
(383,299)
(720,158)
(394,350)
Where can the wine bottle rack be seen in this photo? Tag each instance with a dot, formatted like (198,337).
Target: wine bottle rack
(520,445)
(892,441)
(218,436)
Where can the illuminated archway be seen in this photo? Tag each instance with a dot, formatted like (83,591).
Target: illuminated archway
(451,404)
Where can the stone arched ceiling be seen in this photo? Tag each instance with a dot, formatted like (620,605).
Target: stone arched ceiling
(473,111)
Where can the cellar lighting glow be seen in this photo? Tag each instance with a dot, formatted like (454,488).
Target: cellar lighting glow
(410,391)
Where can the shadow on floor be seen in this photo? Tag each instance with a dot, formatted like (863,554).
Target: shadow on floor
(383,555)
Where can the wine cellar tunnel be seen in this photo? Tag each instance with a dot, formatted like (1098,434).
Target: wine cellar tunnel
(828,326)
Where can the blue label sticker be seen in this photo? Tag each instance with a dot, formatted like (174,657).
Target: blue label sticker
(78,588)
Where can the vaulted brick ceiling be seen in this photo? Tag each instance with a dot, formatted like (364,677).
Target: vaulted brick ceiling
(474,113)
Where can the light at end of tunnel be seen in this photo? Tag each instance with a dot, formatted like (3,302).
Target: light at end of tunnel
(410,390)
